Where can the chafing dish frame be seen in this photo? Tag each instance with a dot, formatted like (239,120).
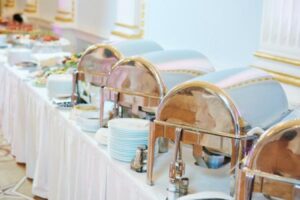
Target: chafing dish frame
(248,173)
(149,102)
(79,74)
(192,135)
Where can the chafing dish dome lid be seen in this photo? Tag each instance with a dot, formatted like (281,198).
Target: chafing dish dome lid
(282,142)
(98,59)
(293,115)
(154,73)
(188,61)
(134,47)
(211,101)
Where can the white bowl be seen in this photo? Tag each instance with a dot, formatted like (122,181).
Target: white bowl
(89,125)
(82,117)
(90,114)
(83,108)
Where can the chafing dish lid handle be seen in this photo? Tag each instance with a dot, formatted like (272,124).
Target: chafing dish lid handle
(255,131)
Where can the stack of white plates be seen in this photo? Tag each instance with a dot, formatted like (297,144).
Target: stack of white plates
(125,135)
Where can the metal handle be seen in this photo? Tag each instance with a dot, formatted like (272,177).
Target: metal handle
(178,153)
(178,186)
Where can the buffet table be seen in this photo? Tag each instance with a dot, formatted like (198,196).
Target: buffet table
(67,163)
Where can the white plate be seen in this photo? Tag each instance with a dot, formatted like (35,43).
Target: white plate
(127,139)
(127,142)
(90,114)
(123,153)
(89,130)
(129,124)
(207,195)
(120,145)
(123,149)
(91,125)
(102,136)
(3,46)
(121,158)
(128,135)
(133,131)
(124,130)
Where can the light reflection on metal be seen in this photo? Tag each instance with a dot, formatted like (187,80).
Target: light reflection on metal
(217,110)
(98,60)
(142,81)
(275,157)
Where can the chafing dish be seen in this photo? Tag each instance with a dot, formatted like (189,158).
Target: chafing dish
(98,60)
(275,158)
(218,111)
(136,85)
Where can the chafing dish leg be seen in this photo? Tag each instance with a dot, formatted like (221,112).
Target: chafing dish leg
(116,105)
(74,87)
(197,152)
(151,149)
(75,97)
(240,189)
(249,186)
(178,135)
(101,106)
(296,192)
(163,143)
(237,155)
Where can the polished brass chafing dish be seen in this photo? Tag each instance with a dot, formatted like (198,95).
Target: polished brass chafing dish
(273,165)
(97,61)
(218,111)
(136,85)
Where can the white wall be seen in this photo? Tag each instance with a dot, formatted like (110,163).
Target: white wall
(96,16)
(227,31)
(47,9)
(94,20)
(20,4)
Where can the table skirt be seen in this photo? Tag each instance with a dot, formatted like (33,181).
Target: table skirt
(67,163)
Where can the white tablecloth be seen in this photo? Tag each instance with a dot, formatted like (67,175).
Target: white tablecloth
(12,111)
(23,110)
(67,164)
